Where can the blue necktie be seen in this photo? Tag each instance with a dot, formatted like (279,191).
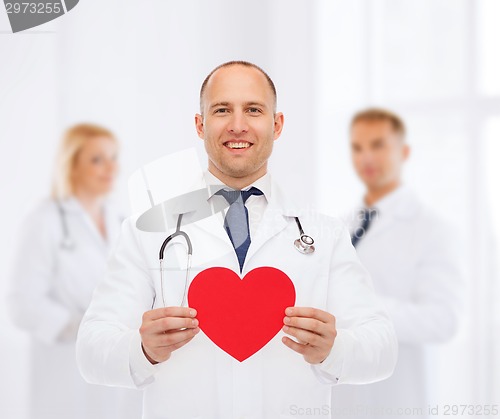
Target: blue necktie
(236,221)
(359,233)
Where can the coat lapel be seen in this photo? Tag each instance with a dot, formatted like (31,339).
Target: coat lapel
(214,226)
(382,223)
(274,220)
(271,224)
(403,208)
(73,208)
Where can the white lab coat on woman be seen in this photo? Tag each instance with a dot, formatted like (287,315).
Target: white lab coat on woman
(51,289)
(412,256)
(202,381)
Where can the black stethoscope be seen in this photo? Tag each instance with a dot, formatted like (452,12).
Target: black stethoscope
(304,244)
(67,243)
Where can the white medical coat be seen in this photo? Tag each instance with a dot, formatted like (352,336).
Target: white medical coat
(51,289)
(202,381)
(412,255)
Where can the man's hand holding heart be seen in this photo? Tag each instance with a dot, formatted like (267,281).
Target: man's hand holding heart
(314,330)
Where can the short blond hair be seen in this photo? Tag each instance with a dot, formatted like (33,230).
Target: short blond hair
(72,143)
(380,114)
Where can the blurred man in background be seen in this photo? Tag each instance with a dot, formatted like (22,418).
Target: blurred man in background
(410,253)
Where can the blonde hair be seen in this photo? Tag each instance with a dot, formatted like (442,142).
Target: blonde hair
(72,143)
(380,114)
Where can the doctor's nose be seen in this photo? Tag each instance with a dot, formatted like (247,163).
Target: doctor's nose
(366,157)
(111,166)
(237,123)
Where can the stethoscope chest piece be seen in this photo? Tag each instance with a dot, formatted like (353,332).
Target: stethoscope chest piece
(67,244)
(305,244)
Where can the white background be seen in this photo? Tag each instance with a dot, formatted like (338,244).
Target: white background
(136,67)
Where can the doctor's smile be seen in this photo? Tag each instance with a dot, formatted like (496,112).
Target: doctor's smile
(236,145)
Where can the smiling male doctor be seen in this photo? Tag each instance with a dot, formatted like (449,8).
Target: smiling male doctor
(336,333)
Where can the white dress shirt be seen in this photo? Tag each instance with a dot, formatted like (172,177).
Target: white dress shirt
(256,204)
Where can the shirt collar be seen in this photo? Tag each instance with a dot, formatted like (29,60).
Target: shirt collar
(389,202)
(70,204)
(263,183)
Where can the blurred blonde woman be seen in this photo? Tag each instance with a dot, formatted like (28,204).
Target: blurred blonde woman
(60,259)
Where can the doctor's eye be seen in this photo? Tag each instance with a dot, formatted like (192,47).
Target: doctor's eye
(96,160)
(221,110)
(378,145)
(254,110)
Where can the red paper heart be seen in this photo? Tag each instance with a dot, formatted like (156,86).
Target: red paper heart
(241,315)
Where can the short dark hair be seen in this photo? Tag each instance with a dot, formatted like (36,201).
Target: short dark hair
(245,64)
(380,114)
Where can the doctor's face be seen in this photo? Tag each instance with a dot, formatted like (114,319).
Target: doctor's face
(238,124)
(378,153)
(95,167)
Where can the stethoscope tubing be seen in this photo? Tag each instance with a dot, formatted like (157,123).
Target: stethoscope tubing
(304,244)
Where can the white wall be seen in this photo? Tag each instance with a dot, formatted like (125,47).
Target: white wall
(28,133)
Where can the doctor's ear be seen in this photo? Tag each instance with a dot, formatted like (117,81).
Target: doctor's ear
(406,152)
(198,120)
(279,120)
